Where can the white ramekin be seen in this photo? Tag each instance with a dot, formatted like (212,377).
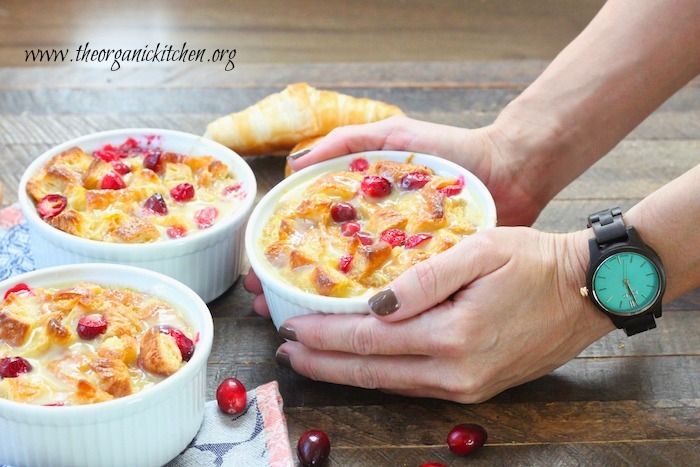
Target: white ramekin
(147,428)
(286,301)
(208,262)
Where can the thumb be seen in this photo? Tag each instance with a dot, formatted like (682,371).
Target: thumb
(432,281)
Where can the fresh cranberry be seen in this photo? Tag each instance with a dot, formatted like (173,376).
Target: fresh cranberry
(432,464)
(345,262)
(21,287)
(205,217)
(455,189)
(112,181)
(90,326)
(466,438)
(156,204)
(393,237)
(182,192)
(12,367)
(108,153)
(176,231)
(359,165)
(231,396)
(51,205)
(341,212)
(313,448)
(151,160)
(349,229)
(414,240)
(120,167)
(375,186)
(414,180)
(128,145)
(231,190)
(183,342)
(365,237)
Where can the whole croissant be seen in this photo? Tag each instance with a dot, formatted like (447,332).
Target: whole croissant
(278,122)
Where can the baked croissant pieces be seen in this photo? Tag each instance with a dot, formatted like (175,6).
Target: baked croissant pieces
(278,122)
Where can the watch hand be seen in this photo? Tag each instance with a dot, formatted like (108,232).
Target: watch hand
(627,284)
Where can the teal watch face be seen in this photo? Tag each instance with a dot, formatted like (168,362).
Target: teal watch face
(626,283)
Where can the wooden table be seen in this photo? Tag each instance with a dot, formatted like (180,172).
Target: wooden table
(621,402)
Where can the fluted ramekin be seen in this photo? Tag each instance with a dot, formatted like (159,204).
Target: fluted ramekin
(286,301)
(147,428)
(208,261)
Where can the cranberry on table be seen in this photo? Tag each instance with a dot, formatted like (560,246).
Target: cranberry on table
(183,342)
(375,186)
(313,448)
(359,165)
(394,237)
(91,326)
(414,181)
(12,367)
(433,464)
(156,204)
(342,212)
(182,192)
(112,181)
(51,205)
(231,396)
(466,438)
(21,287)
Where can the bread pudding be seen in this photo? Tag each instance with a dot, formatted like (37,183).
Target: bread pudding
(348,233)
(134,192)
(87,343)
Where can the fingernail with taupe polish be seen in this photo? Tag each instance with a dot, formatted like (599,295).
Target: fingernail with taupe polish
(384,302)
(288,333)
(298,154)
(282,359)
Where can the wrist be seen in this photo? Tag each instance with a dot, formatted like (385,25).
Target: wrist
(575,259)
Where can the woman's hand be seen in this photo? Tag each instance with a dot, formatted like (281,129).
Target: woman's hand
(498,309)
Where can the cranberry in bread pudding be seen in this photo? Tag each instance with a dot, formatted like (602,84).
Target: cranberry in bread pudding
(86,343)
(348,233)
(133,193)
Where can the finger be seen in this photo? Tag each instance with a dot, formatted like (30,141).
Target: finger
(365,335)
(432,281)
(260,306)
(252,284)
(371,372)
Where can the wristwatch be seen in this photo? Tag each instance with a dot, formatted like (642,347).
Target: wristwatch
(625,278)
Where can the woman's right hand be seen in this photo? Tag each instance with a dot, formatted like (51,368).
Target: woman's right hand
(485,152)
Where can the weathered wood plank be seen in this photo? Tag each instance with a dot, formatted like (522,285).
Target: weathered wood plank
(551,422)
(433,74)
(223,101)
(666,453)
(582,379)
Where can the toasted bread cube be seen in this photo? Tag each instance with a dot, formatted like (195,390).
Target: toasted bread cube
(368,259)
(58,333)
(394,171)
(218,169)
(19,315)
(386,218)
(197,163)
(121,320)
(24,388)
(136,230)
(124,348)
(344,185)
(113,376)
(330,282)
(316,210)
(159,353)
(88,393)
(176,173)
(92,178)
(298,258)
(70,221)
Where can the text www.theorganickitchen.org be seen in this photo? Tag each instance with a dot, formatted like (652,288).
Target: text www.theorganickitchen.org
(115,57)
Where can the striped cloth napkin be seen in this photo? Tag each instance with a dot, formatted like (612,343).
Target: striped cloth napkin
(256,437)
